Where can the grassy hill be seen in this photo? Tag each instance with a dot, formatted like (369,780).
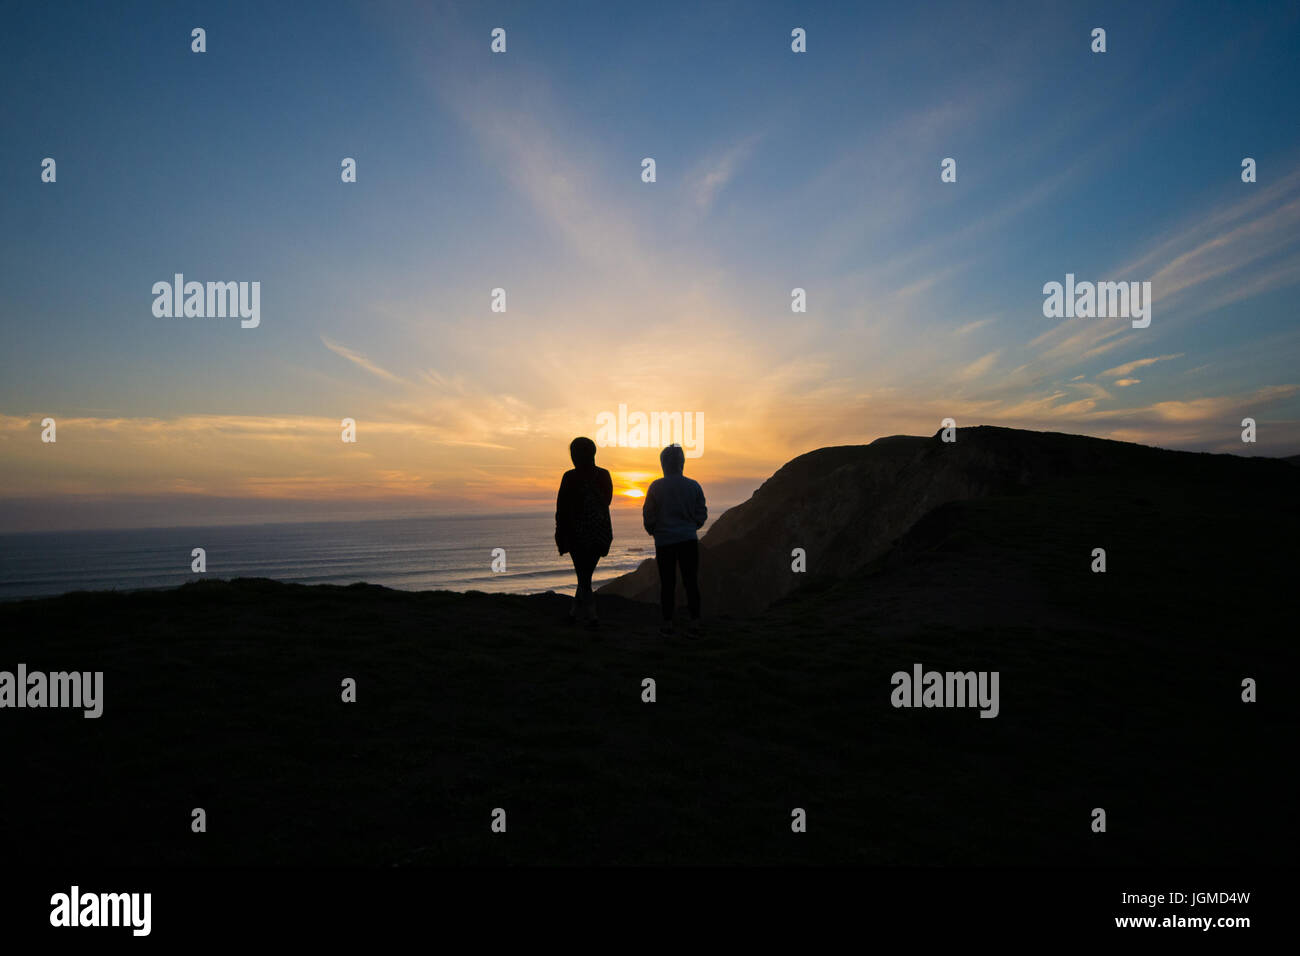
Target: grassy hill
(1118,690)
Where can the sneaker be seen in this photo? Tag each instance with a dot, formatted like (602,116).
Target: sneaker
(667,629)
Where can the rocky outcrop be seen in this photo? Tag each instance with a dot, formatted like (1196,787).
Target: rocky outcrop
(847,506)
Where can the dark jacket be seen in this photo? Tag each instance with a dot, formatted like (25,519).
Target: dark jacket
(582,511)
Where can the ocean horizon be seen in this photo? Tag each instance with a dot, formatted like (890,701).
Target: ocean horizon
(442,553)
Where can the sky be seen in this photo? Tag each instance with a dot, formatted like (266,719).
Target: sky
(522,170)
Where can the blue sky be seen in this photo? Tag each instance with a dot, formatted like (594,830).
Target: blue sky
(522,171)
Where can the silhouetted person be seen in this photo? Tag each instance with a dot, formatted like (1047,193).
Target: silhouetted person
(582,527)
(673,511)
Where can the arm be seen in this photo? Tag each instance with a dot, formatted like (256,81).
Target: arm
(562,508)
(649,511)
(606,487)
(701,509)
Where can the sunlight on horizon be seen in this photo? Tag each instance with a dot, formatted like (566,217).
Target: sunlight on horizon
(634,483)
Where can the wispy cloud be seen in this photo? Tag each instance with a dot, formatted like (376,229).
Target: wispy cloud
(970,327)
(1120,371)
(358,359)
(716,171)
(980,367)
(1217,408)
(1253,241)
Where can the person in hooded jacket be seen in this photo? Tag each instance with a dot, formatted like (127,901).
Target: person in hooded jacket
(673,511)
(582,526)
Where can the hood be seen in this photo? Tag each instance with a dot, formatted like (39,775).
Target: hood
(583,453)
(672,460)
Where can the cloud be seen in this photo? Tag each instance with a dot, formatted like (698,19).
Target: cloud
(717,171)
(1119,371)
(971,326)
(1108,346)
(1220,407)
(361,360)
(1251,243)
(980,366)
(538,146)
(1126,382)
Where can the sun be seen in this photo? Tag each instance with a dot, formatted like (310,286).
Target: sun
(633,483)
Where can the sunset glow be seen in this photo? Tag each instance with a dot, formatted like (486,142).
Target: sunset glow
(923,297)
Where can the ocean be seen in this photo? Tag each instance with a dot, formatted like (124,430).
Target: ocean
(413,554)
